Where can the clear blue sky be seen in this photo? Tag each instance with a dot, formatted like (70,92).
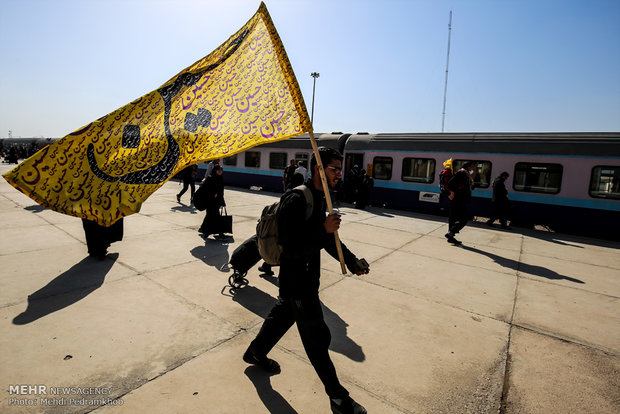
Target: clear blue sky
(515,65)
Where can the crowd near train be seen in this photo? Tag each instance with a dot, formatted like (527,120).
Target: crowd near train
(566,182)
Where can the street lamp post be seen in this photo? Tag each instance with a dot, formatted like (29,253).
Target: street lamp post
(314,75)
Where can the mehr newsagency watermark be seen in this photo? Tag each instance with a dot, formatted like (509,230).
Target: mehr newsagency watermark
(43,395)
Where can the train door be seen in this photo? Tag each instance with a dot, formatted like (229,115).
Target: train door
(351,160)
(346,190)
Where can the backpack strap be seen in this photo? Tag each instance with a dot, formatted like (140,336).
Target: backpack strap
(309,199)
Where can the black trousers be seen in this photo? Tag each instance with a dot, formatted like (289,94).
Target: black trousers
(501,210)
(458,215)
(188,183)
(99,238)
(315,337)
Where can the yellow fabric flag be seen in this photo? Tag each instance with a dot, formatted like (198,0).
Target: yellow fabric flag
(242,94)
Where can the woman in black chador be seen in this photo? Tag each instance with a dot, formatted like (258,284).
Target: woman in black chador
(214,195)
(99,238)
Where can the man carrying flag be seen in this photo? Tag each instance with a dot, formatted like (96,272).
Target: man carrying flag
(299,279)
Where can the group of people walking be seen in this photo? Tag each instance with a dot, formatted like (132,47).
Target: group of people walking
(300,260)
(459,187)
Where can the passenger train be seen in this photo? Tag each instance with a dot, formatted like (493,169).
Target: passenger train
(569,182)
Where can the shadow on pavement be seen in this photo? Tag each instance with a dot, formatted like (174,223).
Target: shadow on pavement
(214,252)
(36,208)
(260,303)
(184,208)
(341,342)
(272,399)
(523,267)
(66,289)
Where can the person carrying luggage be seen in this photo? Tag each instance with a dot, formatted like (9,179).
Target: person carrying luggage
(300,266)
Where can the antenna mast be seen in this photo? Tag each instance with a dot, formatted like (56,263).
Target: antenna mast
(445,88)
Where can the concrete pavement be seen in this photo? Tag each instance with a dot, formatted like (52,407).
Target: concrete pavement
(512,322)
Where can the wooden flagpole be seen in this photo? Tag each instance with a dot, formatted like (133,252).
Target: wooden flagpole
(328,199)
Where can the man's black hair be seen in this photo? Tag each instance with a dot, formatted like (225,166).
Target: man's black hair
(327,155)
(469,164)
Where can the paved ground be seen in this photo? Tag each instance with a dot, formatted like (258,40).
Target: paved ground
(512,322)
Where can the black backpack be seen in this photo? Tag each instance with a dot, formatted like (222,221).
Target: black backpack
(444,177)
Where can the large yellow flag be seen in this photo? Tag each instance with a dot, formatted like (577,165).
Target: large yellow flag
(242,94)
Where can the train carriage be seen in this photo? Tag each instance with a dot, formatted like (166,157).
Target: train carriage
(567,181)
(263,166)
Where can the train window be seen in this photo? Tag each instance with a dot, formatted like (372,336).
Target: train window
(482,173)
(537,178)
(303,157)
(252,159)
(382,168)
(230,161)
(277,160)
(605,182)
(419,170)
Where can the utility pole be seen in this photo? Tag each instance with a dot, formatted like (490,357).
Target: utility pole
(314,75)
(445,88)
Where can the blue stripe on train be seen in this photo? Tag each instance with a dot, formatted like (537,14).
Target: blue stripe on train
(253,171)
(613,205)
(610,205)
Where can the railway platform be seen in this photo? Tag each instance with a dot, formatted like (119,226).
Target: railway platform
(518,321)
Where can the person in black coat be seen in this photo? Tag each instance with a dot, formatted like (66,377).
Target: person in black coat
(461,184)
(300,268)
(214,200)
(99,238)
(501,205)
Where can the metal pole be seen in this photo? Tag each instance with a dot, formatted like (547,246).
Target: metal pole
(314,75)
(328,200)
(445,89)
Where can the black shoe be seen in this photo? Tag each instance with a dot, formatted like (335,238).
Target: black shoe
(99,254)
(265,363)
(347,406)
(265,269)
(451,239)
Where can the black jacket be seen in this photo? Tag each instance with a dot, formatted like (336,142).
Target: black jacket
(460,183)
(302,241)
(500,193)
(214,186)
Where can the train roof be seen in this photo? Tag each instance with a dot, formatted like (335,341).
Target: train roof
(333,140)
(553,143)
